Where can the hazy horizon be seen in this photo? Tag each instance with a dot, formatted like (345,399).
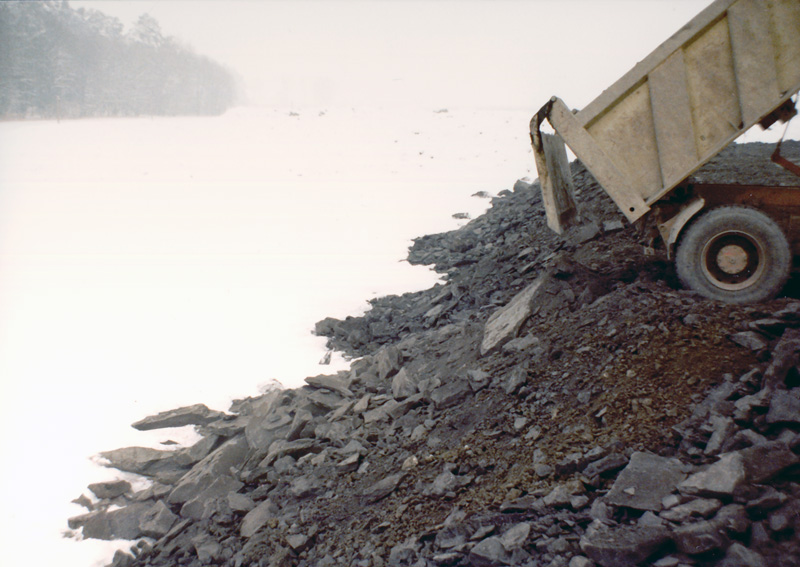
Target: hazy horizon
(507,54)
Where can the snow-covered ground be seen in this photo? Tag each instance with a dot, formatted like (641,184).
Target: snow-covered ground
(147,264)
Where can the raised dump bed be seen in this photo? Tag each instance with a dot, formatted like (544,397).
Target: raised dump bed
(735,65)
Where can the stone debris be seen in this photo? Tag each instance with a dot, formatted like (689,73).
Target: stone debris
(551,403)
(336,383)
(197,414)
(382,488)
(505,323)
(257,518)
(110,489)
(645,481)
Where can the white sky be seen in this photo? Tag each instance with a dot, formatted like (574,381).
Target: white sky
(502,54)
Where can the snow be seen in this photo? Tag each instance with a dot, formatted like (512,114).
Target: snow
(148,264)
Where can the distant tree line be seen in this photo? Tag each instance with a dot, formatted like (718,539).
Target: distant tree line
(58,62)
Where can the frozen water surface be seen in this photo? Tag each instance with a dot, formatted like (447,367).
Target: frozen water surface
(147,264)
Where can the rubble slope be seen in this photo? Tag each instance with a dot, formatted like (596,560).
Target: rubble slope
(554,402)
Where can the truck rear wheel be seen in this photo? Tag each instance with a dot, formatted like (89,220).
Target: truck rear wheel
(734,254)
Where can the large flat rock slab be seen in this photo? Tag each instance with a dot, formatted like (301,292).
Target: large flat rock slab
(123,523)
(720,479)
(218,463)
(756,464)
(382,488)
(645,481)
(198,414)
(784,407)
(505,323)
(110,489)
(140,460)
(333,383)
(258,517)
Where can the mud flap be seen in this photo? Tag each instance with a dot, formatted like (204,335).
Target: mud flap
(555,179)
(776,156)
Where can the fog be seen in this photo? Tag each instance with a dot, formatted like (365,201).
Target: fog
(507,54)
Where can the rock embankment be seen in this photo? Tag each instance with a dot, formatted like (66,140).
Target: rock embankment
(554,403)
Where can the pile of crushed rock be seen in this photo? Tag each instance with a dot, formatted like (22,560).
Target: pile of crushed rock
(555,402)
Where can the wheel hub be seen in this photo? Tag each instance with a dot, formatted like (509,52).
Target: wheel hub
(733,260)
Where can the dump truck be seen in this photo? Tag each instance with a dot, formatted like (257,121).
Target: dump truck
(735,65)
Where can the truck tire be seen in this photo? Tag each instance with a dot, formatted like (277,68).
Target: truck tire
(734,254)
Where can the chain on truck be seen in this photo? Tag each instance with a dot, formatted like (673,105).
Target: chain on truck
(735,65)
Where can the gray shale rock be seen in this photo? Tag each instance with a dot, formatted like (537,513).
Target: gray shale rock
(110,489)
(403,385)
(561,495)
(750,339)
(261,431)
(124,523)
(505,323)
(724,428)
(157,521)
(334,383)
(325,401)
(298,542)
(450,393)
(700,537)
(489,553)
(606,466)
(208,551)
(733,470)
(299,427)
(349,464)
(698,508)
(382,488)
(785,355)
(188,456)
(257,518)
(645,481)
(295,449)
(764,462)
(784,407)
(140,460)
(201,504)
(738,555)
(389,361)
(239,502)
(452,536)
(516,536)
(219,463)
(122,559)
(198,414)
(623,546)
(444,483)
(517,378)
(305,487)
(721,479)
(381,413)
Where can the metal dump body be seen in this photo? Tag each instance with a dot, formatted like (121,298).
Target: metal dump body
(732,66)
